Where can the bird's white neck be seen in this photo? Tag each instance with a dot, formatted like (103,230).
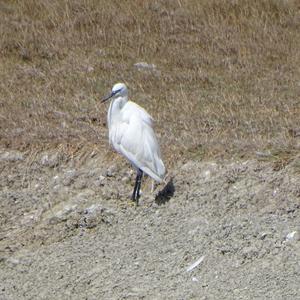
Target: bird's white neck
(115,108)
(118,103)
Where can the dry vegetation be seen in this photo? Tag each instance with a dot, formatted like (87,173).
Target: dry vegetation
(227,81)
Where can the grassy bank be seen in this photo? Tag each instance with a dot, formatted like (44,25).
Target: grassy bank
(226,81)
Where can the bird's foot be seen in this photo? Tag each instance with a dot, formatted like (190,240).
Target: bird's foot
(135,199)
(126,204)
(132,202)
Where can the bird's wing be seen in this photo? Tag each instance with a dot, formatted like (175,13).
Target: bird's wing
(131,108)
(134,137)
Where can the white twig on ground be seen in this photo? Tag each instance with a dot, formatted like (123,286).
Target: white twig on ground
(195,264)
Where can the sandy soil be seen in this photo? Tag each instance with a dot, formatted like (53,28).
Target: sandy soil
(217,230)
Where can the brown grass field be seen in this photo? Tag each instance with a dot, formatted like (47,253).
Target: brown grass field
(226,82)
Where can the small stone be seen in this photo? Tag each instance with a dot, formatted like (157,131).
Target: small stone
(94,215)
(207,174)
(265,234)
(111,171)
(94,172)
(93,208)
(100,181)
(62,214)
(11,156)
(89,69)
(144,65)
(125,179)
(249,252)
(263,154)
(81,184)
(292,236)
(50,160)
(13,261)
(56,179)
(69,177)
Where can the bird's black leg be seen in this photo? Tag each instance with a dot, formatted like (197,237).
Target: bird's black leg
(136,191)
(135,187)
(140,175)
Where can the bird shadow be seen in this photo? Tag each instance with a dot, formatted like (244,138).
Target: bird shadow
(166,193)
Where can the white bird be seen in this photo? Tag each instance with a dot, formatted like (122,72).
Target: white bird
(131,134)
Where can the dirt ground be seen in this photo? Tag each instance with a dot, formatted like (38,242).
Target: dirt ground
(216,230)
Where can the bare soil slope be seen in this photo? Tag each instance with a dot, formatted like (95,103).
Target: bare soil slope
(68,231)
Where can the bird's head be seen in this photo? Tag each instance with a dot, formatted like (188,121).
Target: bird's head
(118,90)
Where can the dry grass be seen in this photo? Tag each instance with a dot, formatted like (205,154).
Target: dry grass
(227,79)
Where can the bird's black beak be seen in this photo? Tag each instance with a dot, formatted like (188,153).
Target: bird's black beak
(107,97)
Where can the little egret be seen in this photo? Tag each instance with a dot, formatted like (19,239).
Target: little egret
(132,135)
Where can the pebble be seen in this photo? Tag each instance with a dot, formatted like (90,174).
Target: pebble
(111,171)
(11,156)
(81,184)
(265,235)
(100,181)
(62,214)
(125,179)
(249,252)
(69,177)
(292,236)
(50,160)
(144,65)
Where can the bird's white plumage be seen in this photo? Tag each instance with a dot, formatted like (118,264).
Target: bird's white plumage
(131,134)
